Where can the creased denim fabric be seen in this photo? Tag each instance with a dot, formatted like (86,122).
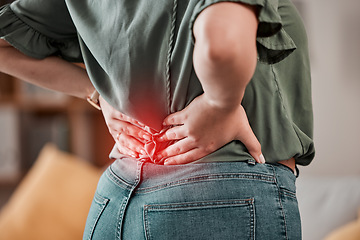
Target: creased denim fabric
(229,200)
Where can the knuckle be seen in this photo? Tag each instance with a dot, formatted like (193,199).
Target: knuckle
(163,154)
(121,149)
(258,146)
(195,140)
(172,135)
(176,160)
(140,134)
(163,137)
(124,130)
(120,141)
(117,136)
(127,130)
(123,142)
(168,135)
(139,148)
(255,147)
(188,132)
(184,159)
(210,147)
(120,115)
(177,150)
(170,120)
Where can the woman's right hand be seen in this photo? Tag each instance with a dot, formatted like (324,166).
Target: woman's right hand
(127,132)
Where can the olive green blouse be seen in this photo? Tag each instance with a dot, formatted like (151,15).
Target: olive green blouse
(138,54)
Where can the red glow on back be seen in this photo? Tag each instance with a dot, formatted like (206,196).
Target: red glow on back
(153,147)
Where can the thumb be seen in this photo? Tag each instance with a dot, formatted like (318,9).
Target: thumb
(253,146)
(258,156)
(248,138)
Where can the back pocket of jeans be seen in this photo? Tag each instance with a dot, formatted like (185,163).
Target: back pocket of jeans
(97,208)
(228,219)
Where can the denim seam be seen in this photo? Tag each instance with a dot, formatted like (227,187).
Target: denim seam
(280,202)
(192,205)
(118,181)
(146,223)
(126,199)
(204,178)
(252,219)
(102,204)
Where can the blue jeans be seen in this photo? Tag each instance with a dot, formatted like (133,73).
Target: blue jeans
(224,200)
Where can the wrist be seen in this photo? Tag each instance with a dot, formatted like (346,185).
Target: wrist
(223,104)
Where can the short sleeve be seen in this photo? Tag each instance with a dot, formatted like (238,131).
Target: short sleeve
(273,43)
(40,28)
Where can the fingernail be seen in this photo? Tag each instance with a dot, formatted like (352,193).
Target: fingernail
(262,158)
(146,137)
(166,162)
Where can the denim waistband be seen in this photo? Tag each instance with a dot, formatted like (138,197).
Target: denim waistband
(129,172)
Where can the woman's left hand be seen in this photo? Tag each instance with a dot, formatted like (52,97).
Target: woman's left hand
(201,128)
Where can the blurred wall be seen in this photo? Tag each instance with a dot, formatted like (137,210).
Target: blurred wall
(334,38)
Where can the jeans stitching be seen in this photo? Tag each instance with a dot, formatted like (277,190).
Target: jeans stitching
(102,204)
(118,181)
(280,203)
(252,219)
(100,200)
(146,223)
(249,203)
(288,193)
(192,205)
(121,217)
(126,199)
(204,178)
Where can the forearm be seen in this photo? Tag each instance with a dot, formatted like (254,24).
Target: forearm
(52,72)
(225,51)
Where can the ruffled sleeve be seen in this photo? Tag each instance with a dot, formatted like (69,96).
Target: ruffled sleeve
(40,29)
(273,43)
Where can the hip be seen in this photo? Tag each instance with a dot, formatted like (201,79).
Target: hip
(221,200)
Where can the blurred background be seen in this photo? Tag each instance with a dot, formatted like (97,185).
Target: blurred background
(334,37)
(31,117)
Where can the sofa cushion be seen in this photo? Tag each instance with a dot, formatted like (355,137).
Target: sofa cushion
(350,231)
(53,199)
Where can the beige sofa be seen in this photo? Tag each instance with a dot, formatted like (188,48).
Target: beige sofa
(52,201)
